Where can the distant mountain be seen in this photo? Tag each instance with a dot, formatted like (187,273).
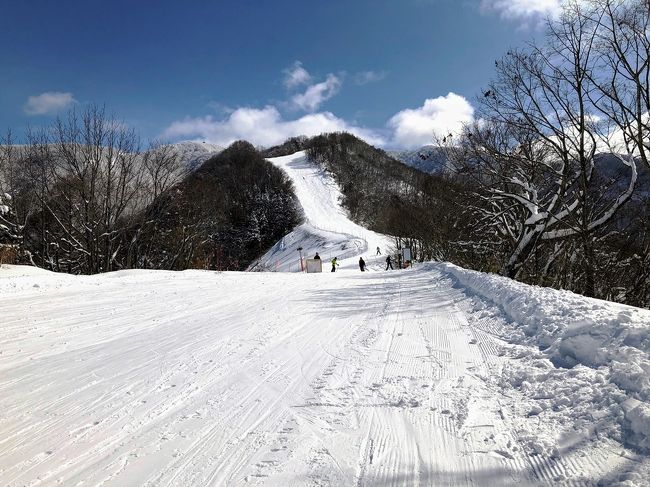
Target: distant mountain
(193,154)
(612,176)
(430,159)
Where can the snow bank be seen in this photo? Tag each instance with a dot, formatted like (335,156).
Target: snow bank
(20,278)
(574,332)
(13,271)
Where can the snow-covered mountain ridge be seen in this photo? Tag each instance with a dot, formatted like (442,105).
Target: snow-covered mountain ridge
(193,154)
(428,158)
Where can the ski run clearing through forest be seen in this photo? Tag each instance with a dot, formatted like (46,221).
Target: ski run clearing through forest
(431,376)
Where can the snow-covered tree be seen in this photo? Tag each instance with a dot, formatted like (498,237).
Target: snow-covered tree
(532,152)
(11,231)
(91,189)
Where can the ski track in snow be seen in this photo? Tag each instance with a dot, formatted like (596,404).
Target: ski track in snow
(202,378)
(196,378)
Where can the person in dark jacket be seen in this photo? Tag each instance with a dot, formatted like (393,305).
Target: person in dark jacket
(317,256)
(389,263)
(362,264)
(378,251)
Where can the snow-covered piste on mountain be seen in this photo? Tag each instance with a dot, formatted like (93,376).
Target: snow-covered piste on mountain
(428,376)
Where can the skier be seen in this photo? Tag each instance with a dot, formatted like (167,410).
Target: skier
(389,263)
(334,264)
(317,256)
(378,251)
(362,264)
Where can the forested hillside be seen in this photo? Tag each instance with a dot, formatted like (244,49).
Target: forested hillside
(452,217)
(222,216)
(388,196)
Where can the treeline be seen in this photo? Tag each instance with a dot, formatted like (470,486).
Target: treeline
(82,197)
(556,165)
(451,218)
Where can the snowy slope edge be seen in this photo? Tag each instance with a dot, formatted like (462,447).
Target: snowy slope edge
(574,330)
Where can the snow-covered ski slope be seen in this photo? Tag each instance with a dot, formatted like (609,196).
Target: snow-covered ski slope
(433,376)
(327,228)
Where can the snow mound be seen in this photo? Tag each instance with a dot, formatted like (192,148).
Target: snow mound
(284,255)
(20,278)
(575,332)
(12,271)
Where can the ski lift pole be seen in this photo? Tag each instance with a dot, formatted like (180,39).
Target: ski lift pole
(302,266)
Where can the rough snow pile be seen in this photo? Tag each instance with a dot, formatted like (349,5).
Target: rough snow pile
(605,346)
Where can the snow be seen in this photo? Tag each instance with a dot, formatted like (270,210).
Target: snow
(429,376)
(4,209)
(573,331)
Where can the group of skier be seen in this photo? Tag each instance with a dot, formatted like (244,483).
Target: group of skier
(362,263)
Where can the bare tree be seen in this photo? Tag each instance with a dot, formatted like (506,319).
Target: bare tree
(163,168)
(10,231)
(89,178)
(623,75)
(533,151)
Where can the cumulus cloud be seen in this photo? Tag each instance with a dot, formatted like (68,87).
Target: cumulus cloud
(296,75)
(437,117)
(265,127)
(48,103)
(365,77)
(269,126)
(316,94)
(523,9)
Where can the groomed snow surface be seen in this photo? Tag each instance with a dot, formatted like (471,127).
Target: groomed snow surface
(428,376)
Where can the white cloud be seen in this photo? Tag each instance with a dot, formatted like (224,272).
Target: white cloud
(437,117)
(268,126)
(264,127)
(48,103)
(365,77)
(315,95)
(522,9)
(296,75)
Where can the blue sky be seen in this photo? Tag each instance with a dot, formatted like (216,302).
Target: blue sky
(392,71)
